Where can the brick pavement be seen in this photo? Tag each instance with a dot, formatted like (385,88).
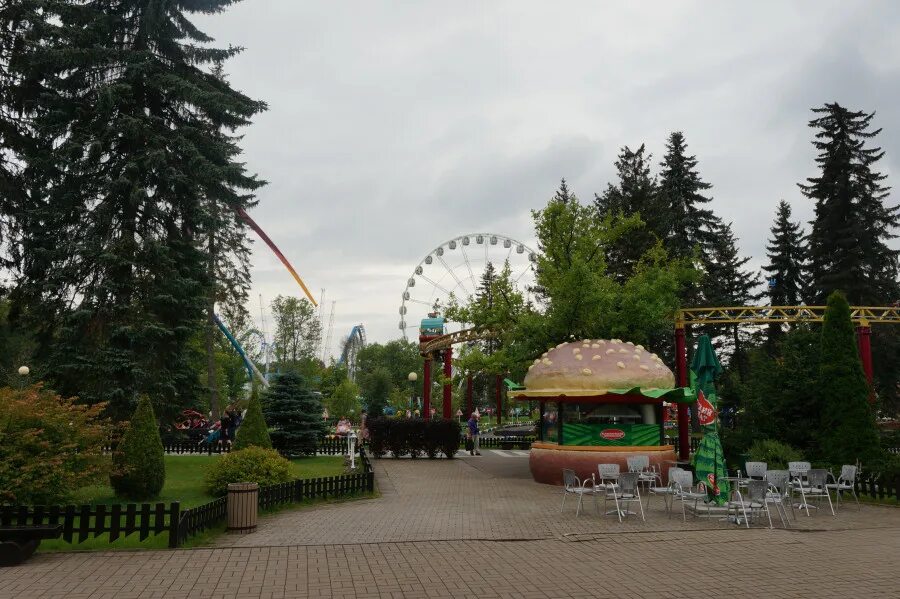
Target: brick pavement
(460,529)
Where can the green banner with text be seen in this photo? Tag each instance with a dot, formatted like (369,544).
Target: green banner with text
(610,434)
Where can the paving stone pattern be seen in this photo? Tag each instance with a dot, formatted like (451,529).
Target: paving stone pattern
(454,529)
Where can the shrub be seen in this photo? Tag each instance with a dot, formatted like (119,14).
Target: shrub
(139,471)
(295,415)
(413,436)
(848,422)
(774,453)
(49,446)
(253,430)
(251,465)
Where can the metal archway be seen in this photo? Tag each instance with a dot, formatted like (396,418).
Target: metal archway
(355,341)
(453,268)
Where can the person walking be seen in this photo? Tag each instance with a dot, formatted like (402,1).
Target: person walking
(474,434)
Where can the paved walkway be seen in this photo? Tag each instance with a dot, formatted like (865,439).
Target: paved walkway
(479,527)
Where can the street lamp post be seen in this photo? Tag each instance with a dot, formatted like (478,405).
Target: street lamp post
(412,377)
(351,445)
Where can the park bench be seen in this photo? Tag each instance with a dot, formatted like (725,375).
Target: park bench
(17,543)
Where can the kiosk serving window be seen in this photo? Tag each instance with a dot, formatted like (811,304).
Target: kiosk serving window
(609,424)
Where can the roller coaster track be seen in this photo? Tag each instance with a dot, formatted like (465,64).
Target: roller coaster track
(860,315)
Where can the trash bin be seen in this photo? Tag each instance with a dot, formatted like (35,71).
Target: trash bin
(243,501)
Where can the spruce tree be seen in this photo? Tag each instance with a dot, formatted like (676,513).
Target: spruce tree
(786,251)
(563,194)
(294,414)
(729,283)
(848,430)
(139,468)
(253,429)
(634,194)
(685,224)
(141,131)
(848,243)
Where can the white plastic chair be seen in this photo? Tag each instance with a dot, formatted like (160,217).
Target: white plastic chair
(814,487)
(573,486)
(845,482)
(779,493)
(627,492)
(646,474)
(607,477)
(683,491)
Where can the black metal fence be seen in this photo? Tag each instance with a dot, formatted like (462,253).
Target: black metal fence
(878,486)
(327,446)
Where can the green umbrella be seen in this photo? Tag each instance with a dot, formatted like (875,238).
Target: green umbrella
(709,459)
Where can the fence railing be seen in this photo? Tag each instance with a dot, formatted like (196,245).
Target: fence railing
(201,518)
(80,523)
(501,442)
(86,521)
(878,486)
(327,446)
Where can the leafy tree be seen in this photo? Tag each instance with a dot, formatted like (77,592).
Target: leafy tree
(398,358)
(848,243)
(563,194)
(848,424)
(297,330)
(253,430)
(376,390)
(113,273)
(686,223)
(295,415)
(139,468)
(344,400)
(786,251)
(49,446)
(636,193)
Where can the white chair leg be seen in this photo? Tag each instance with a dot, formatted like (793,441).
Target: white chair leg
(565,492)
(640,505)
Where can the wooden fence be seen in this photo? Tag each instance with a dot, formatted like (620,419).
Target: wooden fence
(86,521)
(80,523)
(878,486)
(327,446)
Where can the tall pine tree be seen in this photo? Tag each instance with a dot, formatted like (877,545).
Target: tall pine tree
(114,249)
(634,194)
(786,251)
(294,414)
(685,222)
(848,249)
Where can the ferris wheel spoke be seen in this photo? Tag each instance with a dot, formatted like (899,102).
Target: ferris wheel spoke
(468,264)
(436,284)
(522,274)
(459,283)
(418,301)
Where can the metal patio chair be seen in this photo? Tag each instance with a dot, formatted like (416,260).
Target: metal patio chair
(814,487)
(756,470)
(572,485)
(684,492)
(753,501)
(666,491)
(779,493)
(647,475)
(627,492)
(845,482)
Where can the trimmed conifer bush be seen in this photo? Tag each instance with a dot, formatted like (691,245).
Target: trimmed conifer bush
(294,414)
(139,471)
(251,465)
(253,430)
(848,429)
(413,436)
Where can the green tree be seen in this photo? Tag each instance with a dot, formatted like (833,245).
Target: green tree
(376,391)
(848,424)
(344,400)
(729,283)
(295,415)
(687,225)
(635,193)
(848,243)
(113,271)
(786,251)
(297,331)
(398,358)
(139,468)
(253,429)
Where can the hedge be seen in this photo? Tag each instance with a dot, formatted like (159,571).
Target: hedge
(413,437)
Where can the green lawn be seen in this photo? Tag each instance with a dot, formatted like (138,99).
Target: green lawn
(184,483)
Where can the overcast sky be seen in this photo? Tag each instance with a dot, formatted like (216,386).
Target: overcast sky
(393,126)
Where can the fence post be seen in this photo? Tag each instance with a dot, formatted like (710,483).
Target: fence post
(174,524)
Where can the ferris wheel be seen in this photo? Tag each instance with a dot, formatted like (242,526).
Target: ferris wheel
(456,267)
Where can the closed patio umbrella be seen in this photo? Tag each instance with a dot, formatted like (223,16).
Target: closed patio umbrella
(709,459)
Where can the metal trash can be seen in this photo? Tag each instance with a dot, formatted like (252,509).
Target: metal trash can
(242,505)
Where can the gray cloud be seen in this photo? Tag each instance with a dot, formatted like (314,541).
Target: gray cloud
(395,126)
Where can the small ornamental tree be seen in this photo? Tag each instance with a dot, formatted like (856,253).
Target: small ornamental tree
(49,446)
(848,424)
(139,471)
(253,430)
(295,415)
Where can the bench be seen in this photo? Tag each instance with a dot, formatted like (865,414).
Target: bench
(18,543)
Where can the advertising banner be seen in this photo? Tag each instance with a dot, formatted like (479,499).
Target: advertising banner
(610,434)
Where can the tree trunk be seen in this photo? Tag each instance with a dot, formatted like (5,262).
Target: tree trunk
(211,379)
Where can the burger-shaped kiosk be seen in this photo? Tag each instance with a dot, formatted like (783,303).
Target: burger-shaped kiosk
(601,401)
